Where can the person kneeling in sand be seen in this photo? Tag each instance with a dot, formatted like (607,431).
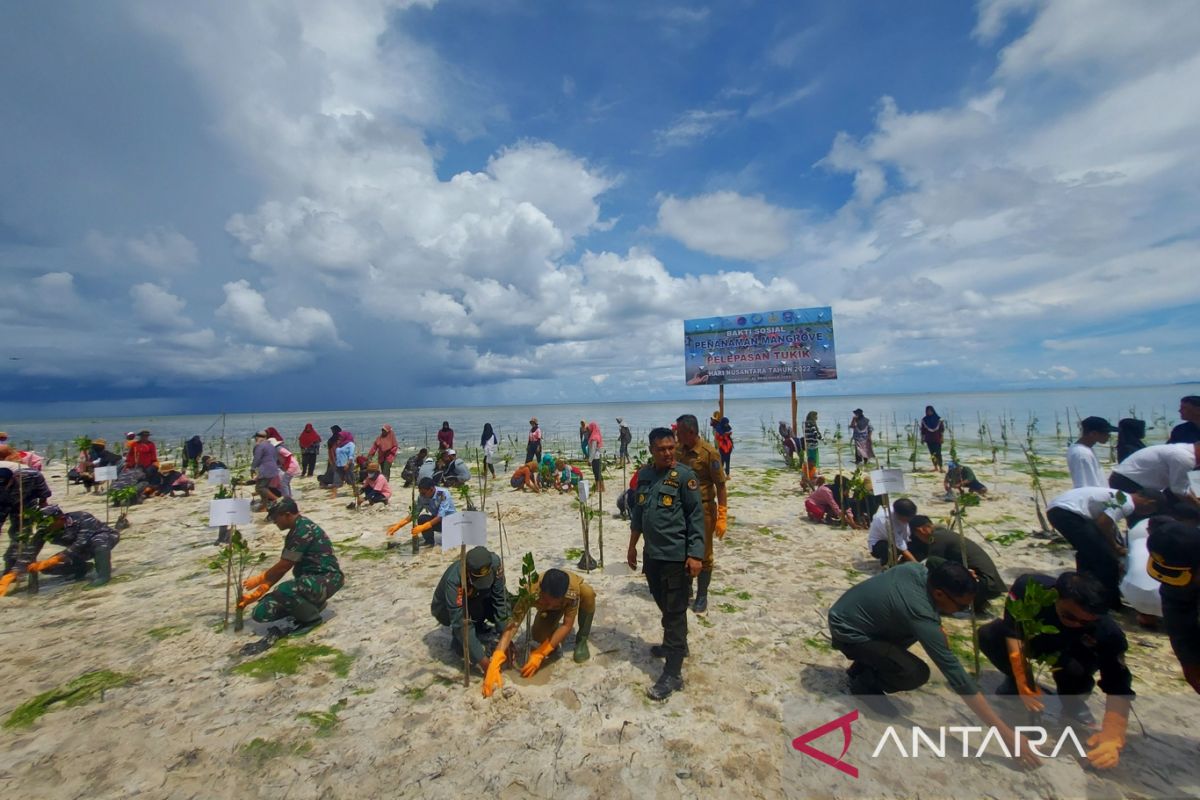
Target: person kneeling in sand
(376,488)
(316,574)
(485,599)
(526,477)
(433,505)
(822,507)
(874,623)
(903,510)
(84,538)
(560,598)
(939,542)
(961,478)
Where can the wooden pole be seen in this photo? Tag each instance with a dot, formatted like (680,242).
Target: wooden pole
(462,562)
(721,399)
(600,517)
(795,430)
(887,512)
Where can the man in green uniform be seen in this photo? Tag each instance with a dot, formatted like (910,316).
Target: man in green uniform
(559,597)
(486,601)
(940,542)
(308,555)
(705,461)
(668,511)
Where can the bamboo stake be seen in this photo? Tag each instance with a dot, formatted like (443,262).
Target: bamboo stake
(462,560)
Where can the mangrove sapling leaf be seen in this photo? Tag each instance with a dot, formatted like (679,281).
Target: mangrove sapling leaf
(527,595)
(1025,611)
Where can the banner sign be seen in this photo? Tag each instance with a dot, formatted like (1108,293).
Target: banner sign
(791,345)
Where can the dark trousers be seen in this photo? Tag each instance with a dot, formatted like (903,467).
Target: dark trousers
(533,450)
(423,516)
(880,550)
(671,587)
(1074,673)
(308,464)
(725,460)
(1092,553)
(882,667)
(373,496)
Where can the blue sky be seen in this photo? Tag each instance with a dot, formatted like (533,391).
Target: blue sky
(302,205)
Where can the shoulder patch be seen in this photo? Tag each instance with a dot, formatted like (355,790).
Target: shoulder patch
(693,484)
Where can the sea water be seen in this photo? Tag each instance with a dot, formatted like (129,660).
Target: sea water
(1040,413)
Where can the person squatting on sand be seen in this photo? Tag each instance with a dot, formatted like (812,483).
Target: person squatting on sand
(485,601)
(561,598)
(938,542)
(669,513)
(308,555)
(84,539)
(903,510)
(433,505)
(704,460)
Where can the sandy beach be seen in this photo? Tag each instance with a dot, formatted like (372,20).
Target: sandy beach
(384,712)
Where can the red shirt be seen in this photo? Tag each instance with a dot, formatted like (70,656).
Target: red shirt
(142,454)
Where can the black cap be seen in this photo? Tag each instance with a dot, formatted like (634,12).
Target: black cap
(1174,552)
(284,505)
(479,568)
(1096,425)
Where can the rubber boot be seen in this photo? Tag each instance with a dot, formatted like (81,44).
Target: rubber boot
(700,604)
(305,613)
(581,637)
(428,536)
(103,567)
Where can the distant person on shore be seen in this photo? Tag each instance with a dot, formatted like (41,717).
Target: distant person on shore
(383,450)
(98,455)
(722,438)
(330,477)
(526,477)
(289,467)
(452,471)
(933,431)
(445,437)
(624,437)
(265,469)
(143,453)
(595,452)
(1087,517)
(193,449)
(310,445)
(376,489)
(490,444)
(1085,640)
(792,444)
(903,511)
(208,463)
(533,445)
(960,477)
(930,541)
(860,435)
(821,506)
(812,445)
(857,511)
(1188,431)
(1131,435)
(1081,458)
(343,462)
(584,431)
(412,467)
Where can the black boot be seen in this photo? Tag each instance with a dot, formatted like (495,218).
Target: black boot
(700,604)
(103,567)
(669,682)
(659,651)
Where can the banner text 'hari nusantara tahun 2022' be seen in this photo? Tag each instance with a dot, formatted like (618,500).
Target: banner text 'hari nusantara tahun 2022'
(791,345)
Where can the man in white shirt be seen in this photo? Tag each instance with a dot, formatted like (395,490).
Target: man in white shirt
(903,510)
(1081,459)
(1087,517)
(1157,468)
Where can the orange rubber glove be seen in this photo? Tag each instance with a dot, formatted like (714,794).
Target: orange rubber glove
(492,680)
(535,659)
(1029,696)
(256,580)
(52,561)
(722,521)
(392,529)
(252,595)
(419,529)
(1106,745)
(6,581)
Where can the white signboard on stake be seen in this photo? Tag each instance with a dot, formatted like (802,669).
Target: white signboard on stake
(233,511)
(464,528)
(1194,482)
(583,490)
(887,481)
(220,476)
(105,474)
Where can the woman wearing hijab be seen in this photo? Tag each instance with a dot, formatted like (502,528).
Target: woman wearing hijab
(193,449)
(343,456)
(595,445)
(860,434)
(489,443)
(331,444)
(446,437)
(1130,435)
(310,445)
(386,447)
(933,430)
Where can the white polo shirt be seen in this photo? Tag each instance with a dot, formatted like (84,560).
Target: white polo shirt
(1160,466)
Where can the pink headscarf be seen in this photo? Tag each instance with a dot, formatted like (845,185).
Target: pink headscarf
(344,437)
(594,434)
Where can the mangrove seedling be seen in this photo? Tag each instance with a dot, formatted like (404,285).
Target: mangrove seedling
(527,595)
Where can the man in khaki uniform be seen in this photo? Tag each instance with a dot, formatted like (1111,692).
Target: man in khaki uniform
(559,598)
(705,461)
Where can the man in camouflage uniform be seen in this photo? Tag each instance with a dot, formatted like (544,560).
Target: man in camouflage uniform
(486,601)
(667,510)
(705,461)
(308,554)
(85,539)
(21,491)
(559,598)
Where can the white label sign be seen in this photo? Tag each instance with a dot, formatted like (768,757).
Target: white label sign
(220,476)
(887,481)
(234,511)
(583,490)
(464,528)
(105,473)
